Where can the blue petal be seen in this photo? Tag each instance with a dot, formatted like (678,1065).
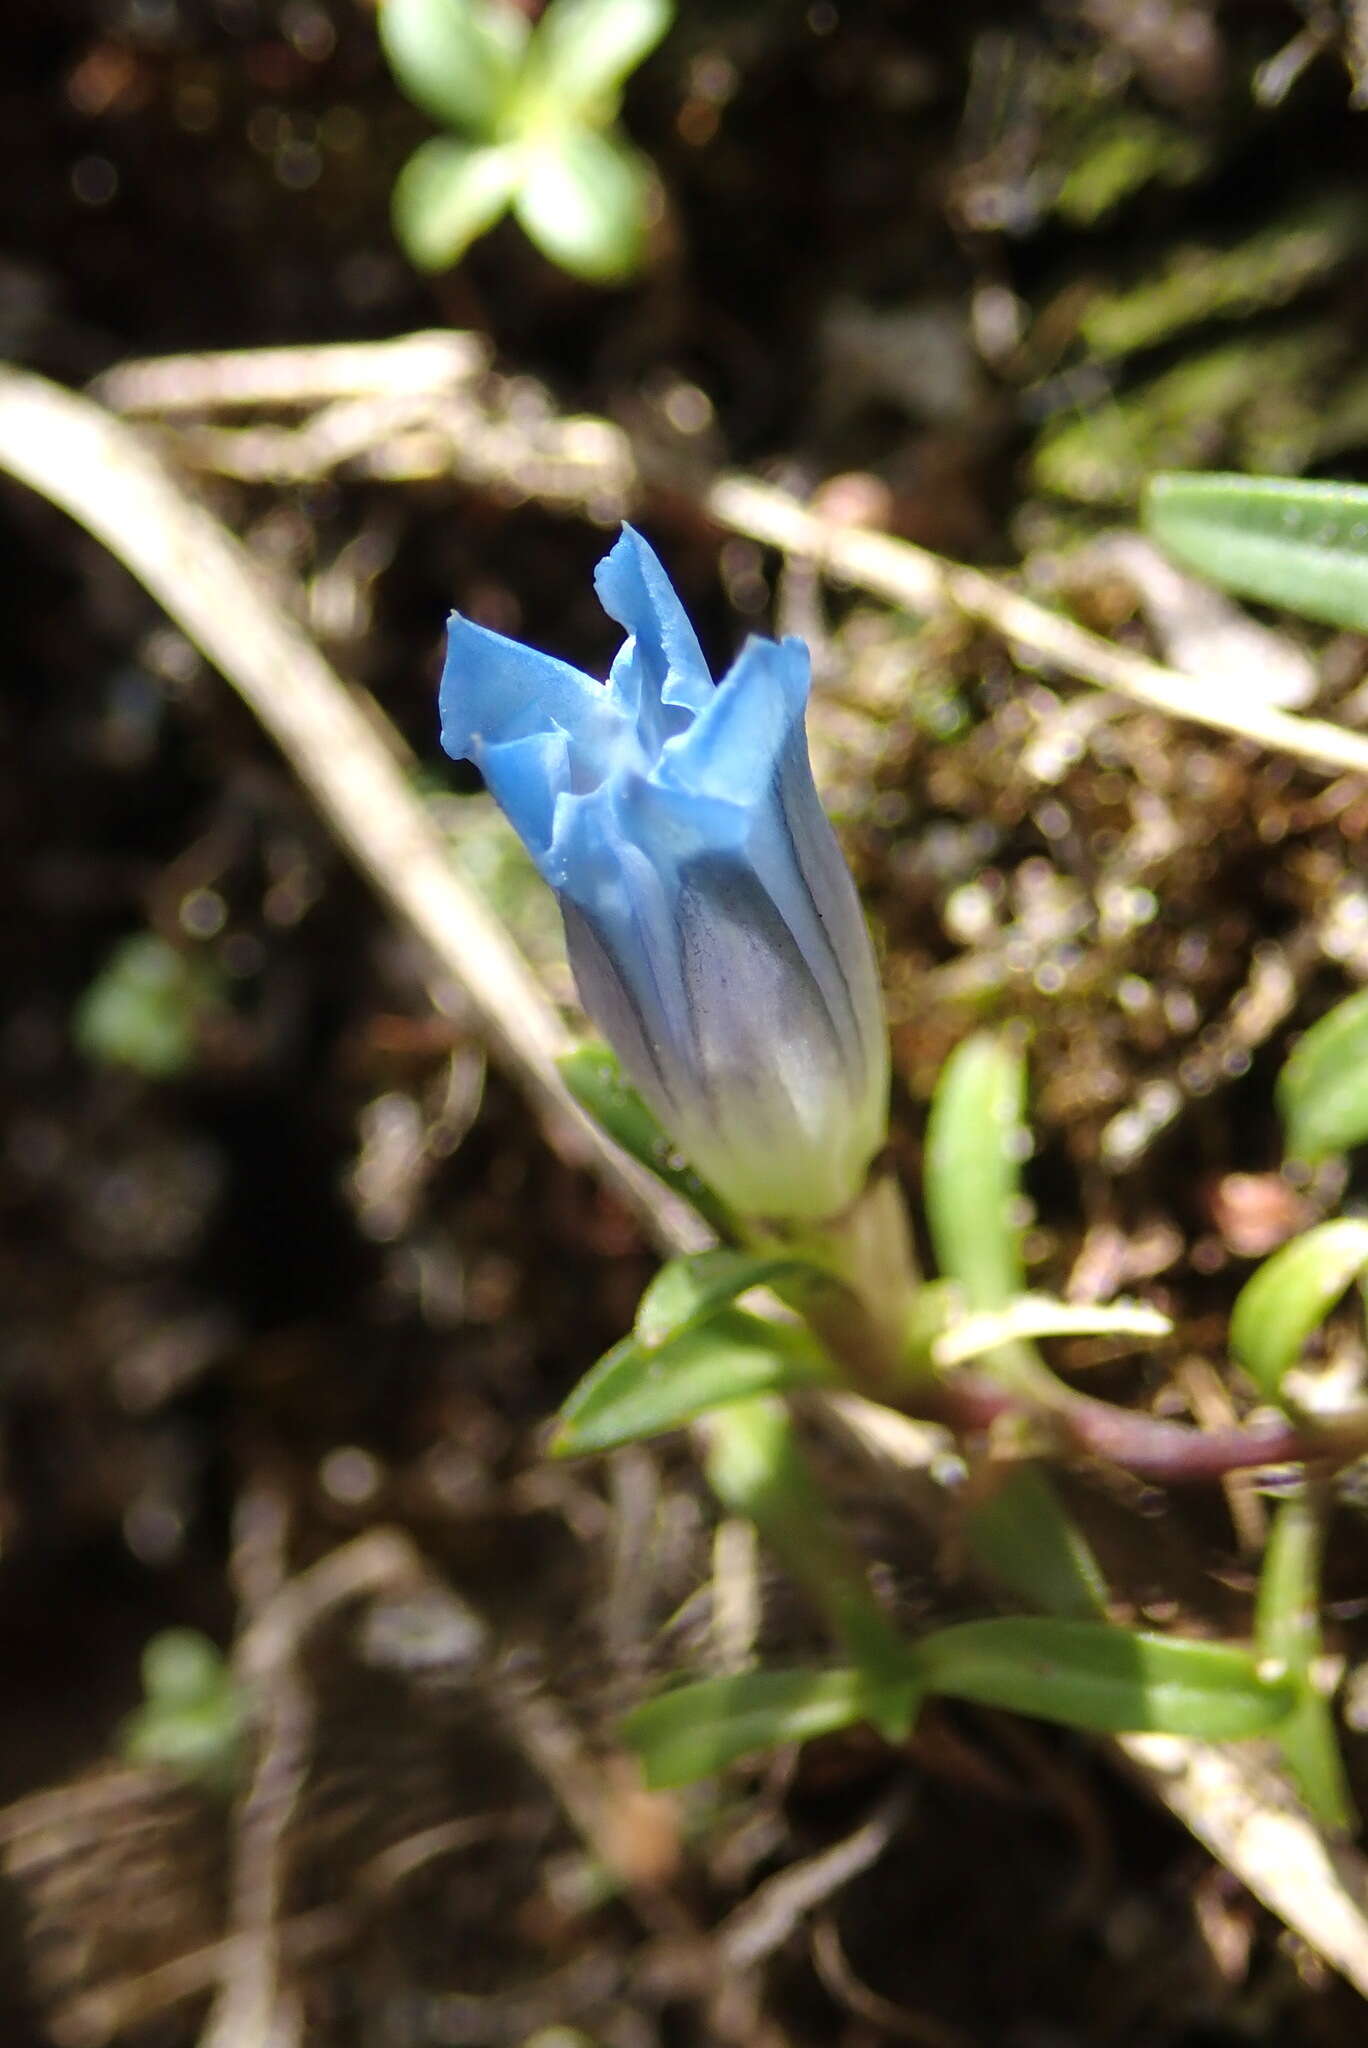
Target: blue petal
(780,1094)
(687,965)
(624,897)
(748,749)
(722,856)
(830,889)
(495,689)
(662,663)
(733,748)
(526,779)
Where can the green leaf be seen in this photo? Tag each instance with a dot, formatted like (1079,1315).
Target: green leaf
(757,1469)
(194,1713)
(582,200)
(456,59)
(584,51)
(144,1008)
(1042,1315)
(1291,1294)
(1278,539)
(1287,1631)
(975,1141)
(1018,1533)
(1111,1680)
(1078,1673)
(700,1728)
(690,1290)
(633,1392)
(182,1668)
(447,195)
(1322,1091)
(594,1077)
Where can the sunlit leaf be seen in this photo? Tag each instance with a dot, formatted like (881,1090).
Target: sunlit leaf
(1041,1315)
(582,200)
(1322,1091)
(1278,539)
(1290,1296)
(584,51)
(1288,1634)
(700,1728)
(456,59)
(976,1140)
(689,1290)
(447,195)
(595,1079)
(1111,1680)
(1081,1674)
(633,1392)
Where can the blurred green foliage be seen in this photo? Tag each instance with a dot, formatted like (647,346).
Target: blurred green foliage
(193,1715)
(1130,149)
(144,1008)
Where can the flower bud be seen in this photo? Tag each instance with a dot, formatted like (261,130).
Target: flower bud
(713,928)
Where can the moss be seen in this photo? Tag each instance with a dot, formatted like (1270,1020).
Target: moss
(1132,149)
(1254,404)
(1199,282)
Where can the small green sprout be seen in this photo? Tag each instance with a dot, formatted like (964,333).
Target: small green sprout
(534,115)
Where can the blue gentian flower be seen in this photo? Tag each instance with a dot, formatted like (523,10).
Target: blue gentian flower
(713,928)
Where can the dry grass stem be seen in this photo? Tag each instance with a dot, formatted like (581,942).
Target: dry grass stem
(451,431)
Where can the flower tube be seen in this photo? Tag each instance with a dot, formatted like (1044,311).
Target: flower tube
(712,925)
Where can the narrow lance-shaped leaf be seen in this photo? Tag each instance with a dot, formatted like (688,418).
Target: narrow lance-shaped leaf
(1322,1091)
(1112,1680)
(757,1469)
(1041,1315)
(701,1728)
(1289,1637)
(975,1140)
(1290,1296)
(974,1144)
(688,1291)
(635,1392)
(1081,1674)
(1278,539)
(1020,1535)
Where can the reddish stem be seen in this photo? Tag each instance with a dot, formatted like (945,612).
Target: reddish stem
(1170,1452)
